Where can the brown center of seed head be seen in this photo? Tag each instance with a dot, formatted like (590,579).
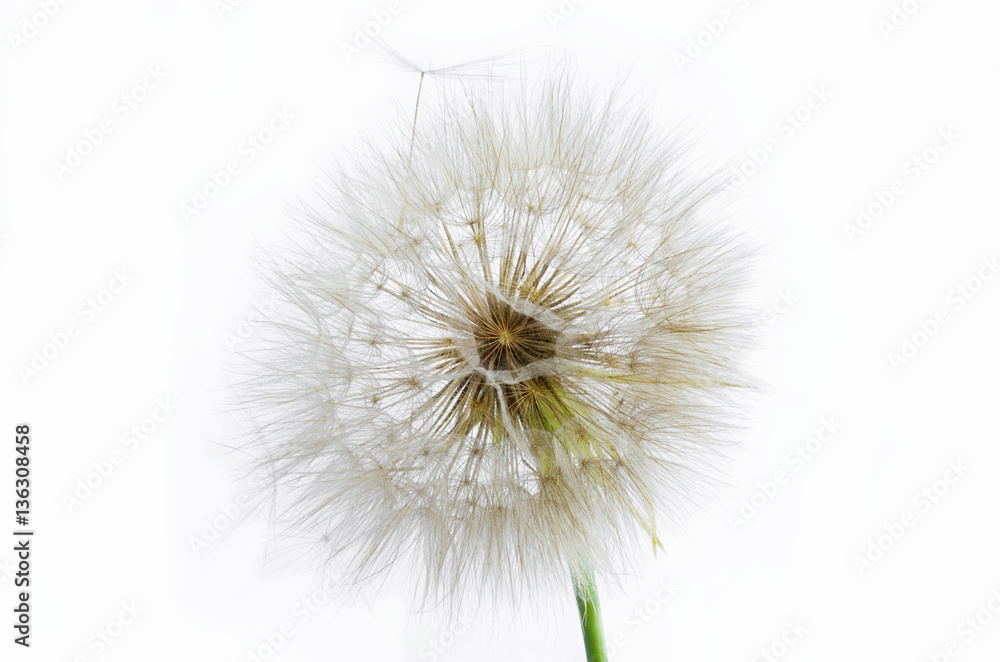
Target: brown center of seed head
(507,339)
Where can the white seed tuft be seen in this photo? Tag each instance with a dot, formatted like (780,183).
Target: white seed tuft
(503,352)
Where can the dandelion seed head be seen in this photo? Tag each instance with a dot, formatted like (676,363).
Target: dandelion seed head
(507,350)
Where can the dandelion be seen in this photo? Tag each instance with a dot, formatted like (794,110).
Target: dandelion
(508,350)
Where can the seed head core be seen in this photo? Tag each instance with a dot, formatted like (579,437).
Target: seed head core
(507,339)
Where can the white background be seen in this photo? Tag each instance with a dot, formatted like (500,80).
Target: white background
(824,356)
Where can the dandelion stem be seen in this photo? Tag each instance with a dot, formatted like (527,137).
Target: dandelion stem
(585,589)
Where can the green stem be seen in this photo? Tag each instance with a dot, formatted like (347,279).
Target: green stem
(585,590)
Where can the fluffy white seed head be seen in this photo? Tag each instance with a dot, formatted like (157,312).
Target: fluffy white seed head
(508,346)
